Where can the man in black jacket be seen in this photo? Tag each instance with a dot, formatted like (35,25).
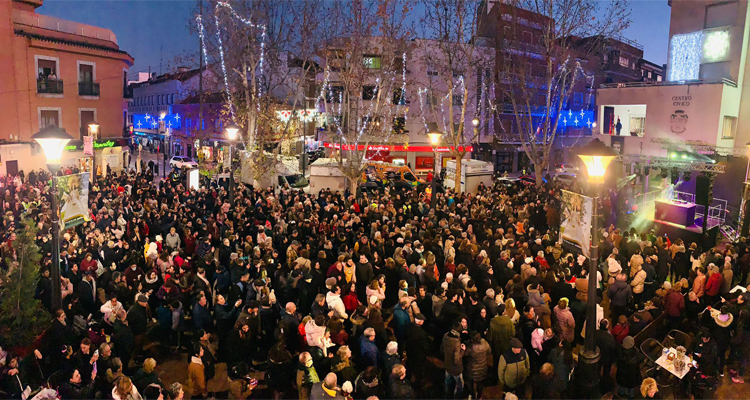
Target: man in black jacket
(364,276)
(75,389)
(608,349)
(399,387)
(417,345)
(138,321)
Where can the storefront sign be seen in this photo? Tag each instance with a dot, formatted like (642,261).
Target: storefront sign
(79,145)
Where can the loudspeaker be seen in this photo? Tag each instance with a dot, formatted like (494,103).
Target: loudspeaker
(702,189)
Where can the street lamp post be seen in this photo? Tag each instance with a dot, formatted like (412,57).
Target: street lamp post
(596,156)
(53,140)
(232,129)
(435,137)
(94,132)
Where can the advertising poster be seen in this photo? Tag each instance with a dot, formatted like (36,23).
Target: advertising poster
(73,197)
(88,145)
(576,217)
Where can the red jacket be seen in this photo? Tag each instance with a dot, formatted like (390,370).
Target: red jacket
(674,303)
(713,284)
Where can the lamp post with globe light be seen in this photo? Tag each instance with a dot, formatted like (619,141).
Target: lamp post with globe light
(232,129)
(93,132)
(435,137)
(53,141)
(596,156)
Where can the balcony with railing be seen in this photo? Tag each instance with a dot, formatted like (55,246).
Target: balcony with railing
(88,88)
(49,86)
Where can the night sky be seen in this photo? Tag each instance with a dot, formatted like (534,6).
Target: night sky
(154,32)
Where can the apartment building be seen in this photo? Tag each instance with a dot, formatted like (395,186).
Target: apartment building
(518,37)
(418,99)
(63,73)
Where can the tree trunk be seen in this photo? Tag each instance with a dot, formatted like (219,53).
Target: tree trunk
(353,184)
(459,167)
(539,167)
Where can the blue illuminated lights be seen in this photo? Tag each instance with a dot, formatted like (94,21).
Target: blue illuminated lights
(685,52)
(146,121)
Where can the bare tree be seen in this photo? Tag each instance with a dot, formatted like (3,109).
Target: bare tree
(536,79)
(454,88)
(263,51)
(363,79)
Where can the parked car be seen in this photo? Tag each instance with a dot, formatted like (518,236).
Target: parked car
(567,168)
(508,181)
(179,162)
(565,178)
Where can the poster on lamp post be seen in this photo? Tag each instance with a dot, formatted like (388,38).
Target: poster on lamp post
(88,145)
(576,218)
(73,198)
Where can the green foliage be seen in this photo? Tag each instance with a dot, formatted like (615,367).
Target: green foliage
(22,317)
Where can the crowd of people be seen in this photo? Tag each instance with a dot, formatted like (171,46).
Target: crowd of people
(335,296)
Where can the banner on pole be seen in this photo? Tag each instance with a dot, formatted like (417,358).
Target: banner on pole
(73,196)
(576,219)
(88,145)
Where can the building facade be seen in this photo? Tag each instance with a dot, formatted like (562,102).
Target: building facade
(700,103)
(57,72)
(518,37)
(420,105)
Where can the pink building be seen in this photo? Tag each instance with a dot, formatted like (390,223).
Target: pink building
(57,72)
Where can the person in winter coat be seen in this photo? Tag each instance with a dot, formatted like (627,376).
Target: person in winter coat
(333,298)
(546,386)
(369,355)
(740,347)
(326,389)
(315,329)
(713,284)
(513,369)
(674,305)
(565,324)
(399,387)
(628,369)
(307,376)
(699,283)
(453,353)
(721,332)
(401,319)
(501,331)
(417,345)
(478,359)
(637,276)
(196,380)
(619,294)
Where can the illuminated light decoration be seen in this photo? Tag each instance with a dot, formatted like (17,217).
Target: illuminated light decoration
(147,117)
(588,122)
(685,56)
(223,64)
(716,45)
(177,117)
(582,113)
(138,124)
(306,115)
(284,115)
(403,83)
(153,124)
(576,121)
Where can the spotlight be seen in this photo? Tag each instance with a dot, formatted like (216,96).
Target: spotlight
(686,176)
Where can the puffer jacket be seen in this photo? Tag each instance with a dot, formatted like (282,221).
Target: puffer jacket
(639,279)
(513,369)
(535,297)
(478,360)
(313,333)
(565,323)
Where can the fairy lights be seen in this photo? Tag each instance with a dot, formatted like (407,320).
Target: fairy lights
(716,45)
(685,56)
(261,62)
